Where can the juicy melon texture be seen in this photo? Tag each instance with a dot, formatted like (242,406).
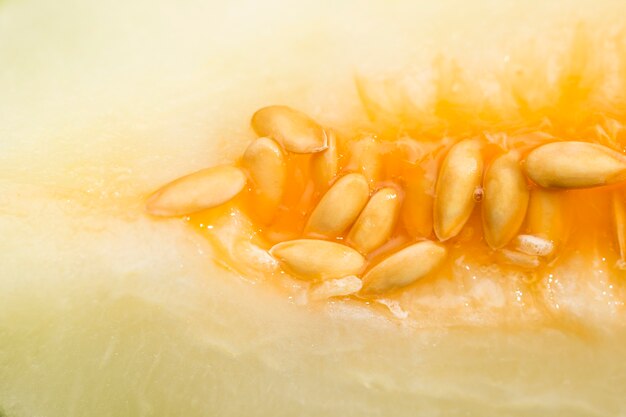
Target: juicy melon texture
(107,312)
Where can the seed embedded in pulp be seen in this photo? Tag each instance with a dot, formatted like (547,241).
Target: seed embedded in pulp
(376,222)
(313,259)
(325,164)
(339,207)
(201,190)
(265,163)
(575,165)
(505,201)
(404,267)
(294,130)
(534,245)
(459,176)
(547,217)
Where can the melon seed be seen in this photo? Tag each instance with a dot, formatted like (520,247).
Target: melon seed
(325,164)
(376,222)
(339,207)
(313,259)
(534,245)
(201,190)
(404,267)
(294,130)
(546,216)
(506,200)
(575,165)
(459,176)
(265,162)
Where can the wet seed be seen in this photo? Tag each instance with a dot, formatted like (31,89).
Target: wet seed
(294,130)
(459,176)
(575,165)
(533,245)
(265,162)
(201,190)
(313,259)
(506,200)
(325,164)
(404,267)
(376,222)
(546,216)
(339,207)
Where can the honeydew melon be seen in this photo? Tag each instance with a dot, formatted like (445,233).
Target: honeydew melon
(107,311)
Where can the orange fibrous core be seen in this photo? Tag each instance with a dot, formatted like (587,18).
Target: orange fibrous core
(403,146)
(587,214)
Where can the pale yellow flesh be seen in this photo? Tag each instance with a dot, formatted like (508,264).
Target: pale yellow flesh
(106,312)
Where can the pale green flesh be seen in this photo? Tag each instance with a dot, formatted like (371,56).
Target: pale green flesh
(106,312)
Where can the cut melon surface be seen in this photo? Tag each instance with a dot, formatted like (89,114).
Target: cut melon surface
(107,311)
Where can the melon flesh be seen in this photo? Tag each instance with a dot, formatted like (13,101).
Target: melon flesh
(105,311)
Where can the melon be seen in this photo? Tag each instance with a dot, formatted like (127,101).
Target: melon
(110,308)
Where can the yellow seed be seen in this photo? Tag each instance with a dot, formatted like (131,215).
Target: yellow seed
(520,259)
(265,162)
(325,164)
(459,176)
(339,207)
(505,200)
(313,259)
(365,158)
(336,287)
(618,199)
(546,217)
(376,222)
(294,130)
(404,267)
(534,245)
(201,190)
(575,165)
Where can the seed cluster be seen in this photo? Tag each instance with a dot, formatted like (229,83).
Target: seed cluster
(376,216)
